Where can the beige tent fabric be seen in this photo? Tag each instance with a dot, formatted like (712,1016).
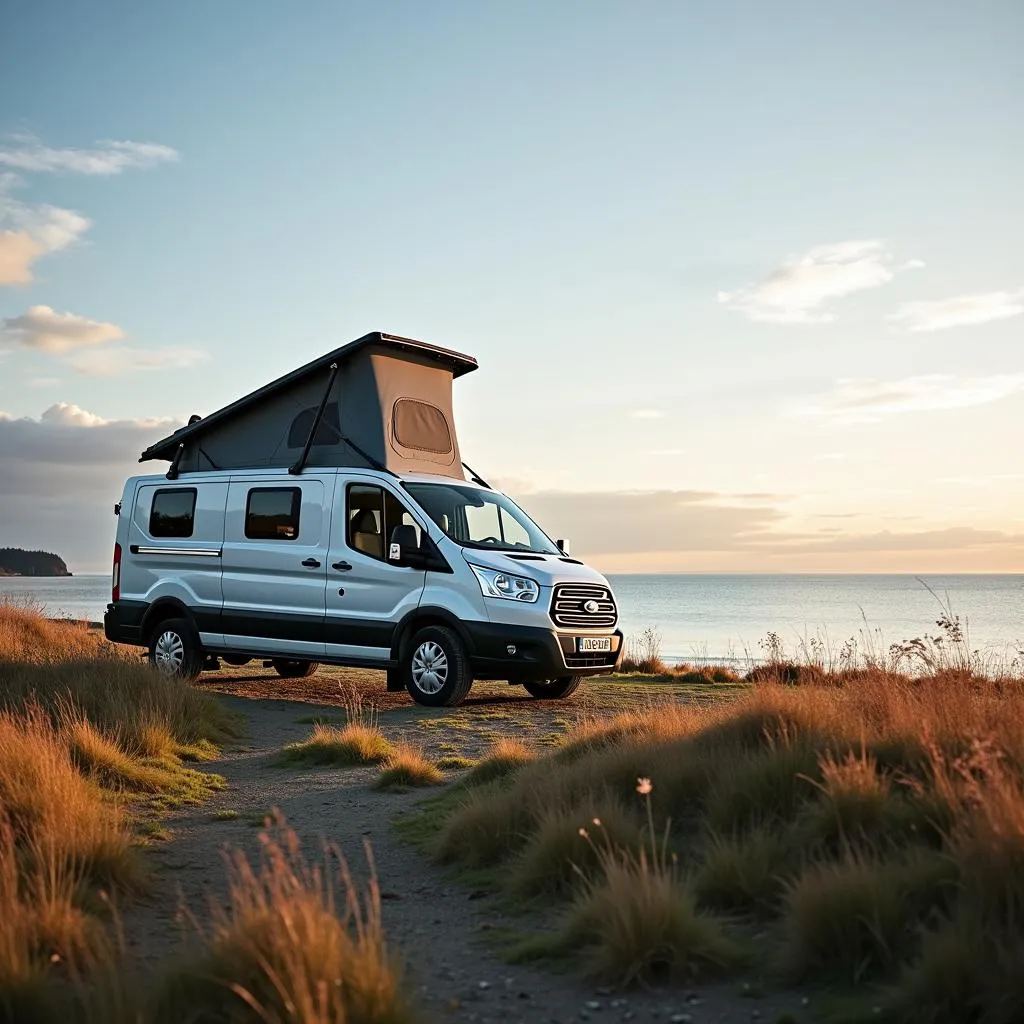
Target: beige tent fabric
(402,383)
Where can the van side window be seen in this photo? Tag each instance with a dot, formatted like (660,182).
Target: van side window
(371,515)
(272,513)
(173,513)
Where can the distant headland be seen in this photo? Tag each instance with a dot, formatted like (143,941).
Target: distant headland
(16,562)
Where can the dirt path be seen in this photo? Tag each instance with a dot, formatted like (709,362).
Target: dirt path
(437,925)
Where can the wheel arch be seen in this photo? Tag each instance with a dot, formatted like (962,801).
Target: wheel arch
(161,610)
(419,619)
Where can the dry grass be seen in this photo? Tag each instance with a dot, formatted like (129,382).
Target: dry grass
(643,657)
(148,713)
(79,739)
(329,746)
(286,948)
(407,766)
(638,922)
(27,636)
(61,844)
(505,757)
(874,822)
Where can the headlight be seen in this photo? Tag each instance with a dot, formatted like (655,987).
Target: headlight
(495,583)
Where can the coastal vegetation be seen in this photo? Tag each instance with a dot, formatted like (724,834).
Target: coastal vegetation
(17,562)
(850,821)
(93,749)
(858,828)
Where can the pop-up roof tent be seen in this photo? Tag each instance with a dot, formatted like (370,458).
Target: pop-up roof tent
(382,401)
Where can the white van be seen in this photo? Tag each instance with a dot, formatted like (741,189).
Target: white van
(433,577)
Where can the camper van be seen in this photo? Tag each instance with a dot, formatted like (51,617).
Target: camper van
(328,518)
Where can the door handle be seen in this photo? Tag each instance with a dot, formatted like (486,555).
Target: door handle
(341,566)
(311,563)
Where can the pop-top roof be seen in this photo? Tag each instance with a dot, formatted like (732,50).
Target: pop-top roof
(399,348)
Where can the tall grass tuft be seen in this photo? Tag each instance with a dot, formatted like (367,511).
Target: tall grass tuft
(643,654)
(329,746)
(407,766)
(295,942)
(505,757)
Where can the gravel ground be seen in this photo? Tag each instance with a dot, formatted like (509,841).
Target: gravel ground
(438,926)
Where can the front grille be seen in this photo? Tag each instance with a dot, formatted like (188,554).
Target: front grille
(592,659)
(568,606)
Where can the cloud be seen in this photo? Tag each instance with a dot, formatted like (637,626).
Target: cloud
(28,232)
(953,538)
(62,474)
(27,153)
(107,362)
(959,311)
(45,330)
(632,522)
(63,414)
(83,344)
(647,414)
(661,531)
(797,291)
(18,251)
(870,400)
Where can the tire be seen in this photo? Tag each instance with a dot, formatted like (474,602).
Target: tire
(236,660)
(292,668)
(175,650)
(436,668)
(553,689)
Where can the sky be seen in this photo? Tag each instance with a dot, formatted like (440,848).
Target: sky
(745,280)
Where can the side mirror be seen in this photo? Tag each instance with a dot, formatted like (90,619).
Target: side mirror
(563,546)
(404,547)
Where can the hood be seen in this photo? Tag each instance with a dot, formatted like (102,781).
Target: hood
(547,570)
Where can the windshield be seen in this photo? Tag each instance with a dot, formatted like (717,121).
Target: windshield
(481,519)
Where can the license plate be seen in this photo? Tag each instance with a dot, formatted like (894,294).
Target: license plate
(593,643)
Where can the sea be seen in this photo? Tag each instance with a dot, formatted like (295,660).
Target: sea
(731,618)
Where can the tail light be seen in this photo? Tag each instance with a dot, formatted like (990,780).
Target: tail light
(115,588)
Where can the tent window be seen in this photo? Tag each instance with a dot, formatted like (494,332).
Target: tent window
(173,513)
(326,433)
(422,426)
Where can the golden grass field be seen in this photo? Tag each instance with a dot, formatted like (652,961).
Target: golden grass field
(858,830)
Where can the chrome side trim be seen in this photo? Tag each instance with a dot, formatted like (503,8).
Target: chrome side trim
(203,552)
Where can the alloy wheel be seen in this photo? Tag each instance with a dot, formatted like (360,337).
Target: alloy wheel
(169,653)
(429,667)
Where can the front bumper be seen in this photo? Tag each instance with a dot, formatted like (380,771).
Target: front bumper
(539,653)
(122,622)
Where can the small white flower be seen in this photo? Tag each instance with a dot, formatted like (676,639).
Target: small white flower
(644,786)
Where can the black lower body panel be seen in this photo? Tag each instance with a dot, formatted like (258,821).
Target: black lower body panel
(122,622)
(529,653)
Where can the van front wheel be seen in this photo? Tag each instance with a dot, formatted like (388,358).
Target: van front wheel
(553,689)
(436,668)
(175,650)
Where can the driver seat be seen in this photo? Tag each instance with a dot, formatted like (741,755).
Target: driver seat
(366,536)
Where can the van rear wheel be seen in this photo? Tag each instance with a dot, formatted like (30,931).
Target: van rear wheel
(175,650)
(553,689)
(292,668)
(436,668)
